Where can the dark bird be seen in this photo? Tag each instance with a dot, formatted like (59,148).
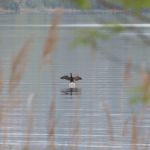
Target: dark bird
(71,79)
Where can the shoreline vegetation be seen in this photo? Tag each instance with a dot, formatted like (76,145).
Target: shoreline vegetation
(53,10)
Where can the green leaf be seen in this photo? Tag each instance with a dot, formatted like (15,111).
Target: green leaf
(83,4)
(89,37)
(117,29)
(135,5)
(134,100)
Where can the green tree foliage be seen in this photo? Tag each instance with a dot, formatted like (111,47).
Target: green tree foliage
(135,5)
(141,93)
(89,37)
(83,4)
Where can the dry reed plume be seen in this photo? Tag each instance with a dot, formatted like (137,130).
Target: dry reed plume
(16,75)
(52,120)
(49,47)
(18,65)
(17,70)
(52,38)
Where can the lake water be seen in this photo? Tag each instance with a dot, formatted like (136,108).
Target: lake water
(82,116)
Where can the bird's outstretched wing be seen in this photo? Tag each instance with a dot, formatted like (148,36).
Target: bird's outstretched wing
(76,78)
(65,77)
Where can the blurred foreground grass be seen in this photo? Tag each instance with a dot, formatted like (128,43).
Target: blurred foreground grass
(18,68)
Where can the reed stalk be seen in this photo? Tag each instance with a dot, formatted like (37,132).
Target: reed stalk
(52,125)
(30,121)
(109,120)
(18,65)
(134,133)
(52,38)
(127,72)
(75,133)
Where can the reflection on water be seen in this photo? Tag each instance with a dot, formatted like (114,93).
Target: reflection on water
(71,91)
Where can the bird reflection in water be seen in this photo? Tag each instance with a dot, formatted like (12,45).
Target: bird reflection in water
(71,91)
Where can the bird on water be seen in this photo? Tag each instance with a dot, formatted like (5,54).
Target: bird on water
(71,79)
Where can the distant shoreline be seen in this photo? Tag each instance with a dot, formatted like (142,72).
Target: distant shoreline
(37,10)
(52,10)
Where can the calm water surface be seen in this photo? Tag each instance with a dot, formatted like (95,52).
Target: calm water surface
(82,115)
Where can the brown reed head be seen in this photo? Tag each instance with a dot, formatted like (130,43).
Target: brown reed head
(18,65)
(52,38)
